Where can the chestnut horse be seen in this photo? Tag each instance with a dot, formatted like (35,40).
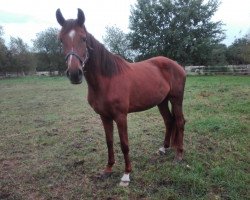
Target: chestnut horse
(117,87)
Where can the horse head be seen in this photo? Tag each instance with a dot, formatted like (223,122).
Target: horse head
(73,36)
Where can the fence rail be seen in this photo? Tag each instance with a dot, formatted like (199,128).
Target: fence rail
(213,70)
(190,70)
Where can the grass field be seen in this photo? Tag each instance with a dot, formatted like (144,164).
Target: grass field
(52,144)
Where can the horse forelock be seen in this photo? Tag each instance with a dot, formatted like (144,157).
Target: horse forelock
(69,25)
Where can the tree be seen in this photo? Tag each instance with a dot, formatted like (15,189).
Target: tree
(239,51)
(3,53)
(180,29)
(48,50)
(218,55)
(118,42)
(21,59)
(1,34)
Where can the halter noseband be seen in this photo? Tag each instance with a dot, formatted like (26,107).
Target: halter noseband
(82,61)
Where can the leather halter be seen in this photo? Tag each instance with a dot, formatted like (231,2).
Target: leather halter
(83,61)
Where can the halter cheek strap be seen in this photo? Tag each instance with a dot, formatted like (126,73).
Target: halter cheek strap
(82,61)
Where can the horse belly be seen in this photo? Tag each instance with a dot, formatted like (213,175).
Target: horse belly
(148,94)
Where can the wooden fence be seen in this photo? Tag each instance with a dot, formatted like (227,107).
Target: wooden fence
(213,70)
(190,70)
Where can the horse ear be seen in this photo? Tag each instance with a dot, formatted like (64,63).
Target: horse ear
(80,17)
(60,17)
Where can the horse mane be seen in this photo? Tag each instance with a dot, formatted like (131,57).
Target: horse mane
(102,60)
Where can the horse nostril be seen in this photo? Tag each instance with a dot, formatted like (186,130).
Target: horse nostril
(75,75)
(80,72)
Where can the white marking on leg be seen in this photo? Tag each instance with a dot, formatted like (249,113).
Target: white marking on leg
(72,34)
(125,180)
(162,150)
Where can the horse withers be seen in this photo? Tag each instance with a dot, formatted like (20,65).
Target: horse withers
(117,87)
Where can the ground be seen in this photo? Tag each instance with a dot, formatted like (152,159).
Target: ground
(52,144)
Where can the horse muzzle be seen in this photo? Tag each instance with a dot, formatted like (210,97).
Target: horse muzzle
(75,76)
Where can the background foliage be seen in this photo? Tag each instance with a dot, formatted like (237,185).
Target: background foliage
(48,51)
(182,30)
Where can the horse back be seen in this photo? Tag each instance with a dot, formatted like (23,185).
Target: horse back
(152,80)
(172,72)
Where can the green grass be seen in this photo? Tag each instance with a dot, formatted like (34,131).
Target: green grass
(52,144)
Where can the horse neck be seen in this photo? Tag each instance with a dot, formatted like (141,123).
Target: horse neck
(101,64)
(93,73)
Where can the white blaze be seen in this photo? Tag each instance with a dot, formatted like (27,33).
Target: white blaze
(70,58)
(72,34)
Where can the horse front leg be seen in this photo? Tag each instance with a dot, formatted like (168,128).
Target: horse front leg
(108,128)
(121,122)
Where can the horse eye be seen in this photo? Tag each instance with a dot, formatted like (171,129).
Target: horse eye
(84,39)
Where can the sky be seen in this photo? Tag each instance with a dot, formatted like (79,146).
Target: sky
(26,18)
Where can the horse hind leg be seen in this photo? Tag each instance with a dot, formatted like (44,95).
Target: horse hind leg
(169,122)
(178,134)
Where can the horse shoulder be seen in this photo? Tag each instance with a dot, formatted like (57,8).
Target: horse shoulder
(111,98)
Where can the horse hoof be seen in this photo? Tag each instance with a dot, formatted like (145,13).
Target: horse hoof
(125,180)
(104,175)
(178,161)
(124,183)
(163,150)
